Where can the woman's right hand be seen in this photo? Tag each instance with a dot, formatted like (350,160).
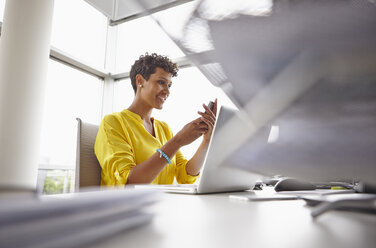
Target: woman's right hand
(191,131)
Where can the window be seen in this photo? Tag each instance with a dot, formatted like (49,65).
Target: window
(69,94)
(79,30)
(123,95)
(174,26)
(190,89)
(139,36)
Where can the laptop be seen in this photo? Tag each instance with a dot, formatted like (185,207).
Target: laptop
(215,176)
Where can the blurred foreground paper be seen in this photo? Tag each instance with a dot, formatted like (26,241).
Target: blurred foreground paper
(72,220)
(305,67)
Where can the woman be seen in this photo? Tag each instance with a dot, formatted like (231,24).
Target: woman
(133,147)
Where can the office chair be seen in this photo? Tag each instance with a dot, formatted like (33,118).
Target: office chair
(88,169)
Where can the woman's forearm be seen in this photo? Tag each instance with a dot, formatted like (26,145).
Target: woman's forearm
(194,165)
(148,170)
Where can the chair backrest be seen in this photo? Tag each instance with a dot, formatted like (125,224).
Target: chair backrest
(88,169)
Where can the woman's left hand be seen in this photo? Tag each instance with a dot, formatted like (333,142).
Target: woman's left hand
(209,117)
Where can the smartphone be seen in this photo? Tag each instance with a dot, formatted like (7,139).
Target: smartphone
(211,106)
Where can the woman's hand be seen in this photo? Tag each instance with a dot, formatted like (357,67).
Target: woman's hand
(200,126)
(209,118)
(191,131)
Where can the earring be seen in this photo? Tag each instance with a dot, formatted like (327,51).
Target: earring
(140,85)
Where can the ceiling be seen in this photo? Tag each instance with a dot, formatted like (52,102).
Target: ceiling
(119,11)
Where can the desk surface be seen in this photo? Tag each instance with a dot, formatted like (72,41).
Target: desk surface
(216,221)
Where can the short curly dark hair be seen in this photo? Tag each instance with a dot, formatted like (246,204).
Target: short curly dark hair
(146,65)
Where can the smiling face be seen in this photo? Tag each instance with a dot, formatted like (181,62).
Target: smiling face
(156,89)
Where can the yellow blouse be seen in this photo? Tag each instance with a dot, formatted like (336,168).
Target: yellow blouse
(123,142)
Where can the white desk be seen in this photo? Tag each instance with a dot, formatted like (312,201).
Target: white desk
(216,221)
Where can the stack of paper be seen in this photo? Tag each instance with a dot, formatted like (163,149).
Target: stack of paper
(72,220)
